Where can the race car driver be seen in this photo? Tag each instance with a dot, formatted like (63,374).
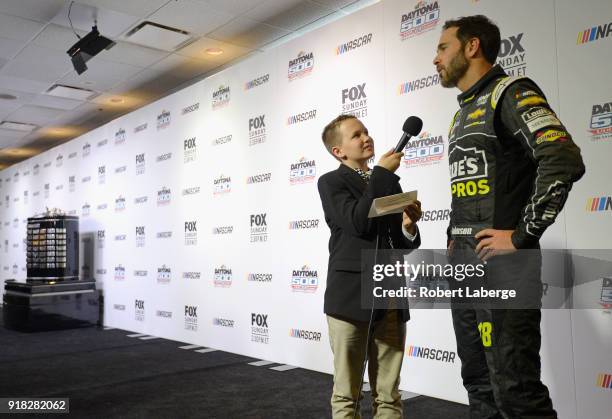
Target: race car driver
(512,164)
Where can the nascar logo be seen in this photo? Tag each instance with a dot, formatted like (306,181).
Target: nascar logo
(257,82)
(305,334)
(430,353)
(604,381)
(354,44)
(594,33)
(418,84)
(602,203)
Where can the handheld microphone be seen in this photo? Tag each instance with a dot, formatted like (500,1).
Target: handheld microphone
(412,126)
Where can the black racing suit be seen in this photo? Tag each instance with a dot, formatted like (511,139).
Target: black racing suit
(512,164)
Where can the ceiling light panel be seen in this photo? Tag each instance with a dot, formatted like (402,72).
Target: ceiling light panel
(157,36)
(17,126)
(70,92)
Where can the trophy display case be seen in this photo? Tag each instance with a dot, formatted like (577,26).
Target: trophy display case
(52,248)
(53,295)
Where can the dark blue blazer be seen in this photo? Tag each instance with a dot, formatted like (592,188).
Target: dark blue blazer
(346,200)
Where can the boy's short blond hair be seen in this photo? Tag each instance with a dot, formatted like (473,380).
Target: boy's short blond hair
(330,135)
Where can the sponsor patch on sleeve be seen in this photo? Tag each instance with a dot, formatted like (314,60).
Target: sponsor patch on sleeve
(551,135)
(530,101)
(526,93)
(538,118)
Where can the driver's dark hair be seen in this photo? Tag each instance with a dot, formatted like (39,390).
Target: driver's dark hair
(481,27)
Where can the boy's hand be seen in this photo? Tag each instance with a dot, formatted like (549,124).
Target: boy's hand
(412,214)
(390,160)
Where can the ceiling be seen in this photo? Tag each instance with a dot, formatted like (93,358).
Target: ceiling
(35,35)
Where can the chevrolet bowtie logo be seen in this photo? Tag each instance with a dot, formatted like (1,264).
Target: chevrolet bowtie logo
(476,114)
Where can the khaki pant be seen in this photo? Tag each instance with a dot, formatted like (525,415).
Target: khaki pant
(386,353)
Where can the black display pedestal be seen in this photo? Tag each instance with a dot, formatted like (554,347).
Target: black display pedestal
(41,305)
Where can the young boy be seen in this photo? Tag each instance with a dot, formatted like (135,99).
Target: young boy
(347,194)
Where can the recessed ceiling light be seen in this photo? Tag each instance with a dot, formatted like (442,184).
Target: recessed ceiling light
(17,126)
(154,35)
(6,96)
(214,51)
(19,151)
(70,92)
(61,131)
(117,100)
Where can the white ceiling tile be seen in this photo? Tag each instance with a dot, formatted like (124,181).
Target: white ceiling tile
(101,75)
(288,14)
(272,8)
(38,63)
(7,109)
(22,98)
(334,4)
(55,102)
(138,8)
(147,77)
(25,142)
(42,11)
(190,15)
(38,115)
(6,142)
(78,114)
(9,106)
(17,28)
(57,38)
(23,85)
(136,55)
(235,7)
(248,33)
(11,133)
(5,112)
(10,47)
(184,67)
(101,117)
(110,23)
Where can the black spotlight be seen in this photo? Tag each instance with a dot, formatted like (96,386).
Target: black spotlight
(87,47)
